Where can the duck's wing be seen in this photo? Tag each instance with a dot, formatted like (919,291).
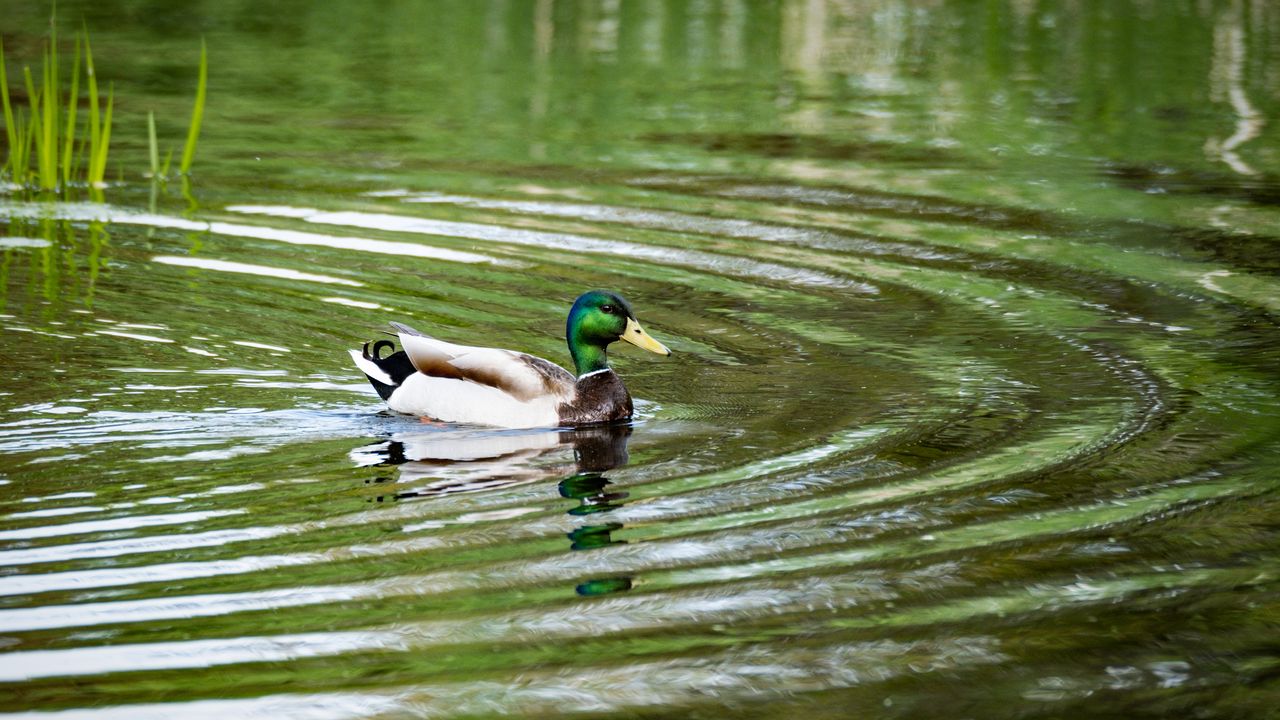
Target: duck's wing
(520,375)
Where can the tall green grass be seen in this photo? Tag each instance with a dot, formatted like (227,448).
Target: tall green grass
(98,133)
(45,149)
(197,113)
(16,129)
(50,149)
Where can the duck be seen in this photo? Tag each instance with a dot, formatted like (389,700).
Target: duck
(450,383)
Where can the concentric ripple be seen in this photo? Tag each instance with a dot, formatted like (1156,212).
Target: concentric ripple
(885,457)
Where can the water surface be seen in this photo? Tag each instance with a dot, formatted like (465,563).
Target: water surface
(972,410)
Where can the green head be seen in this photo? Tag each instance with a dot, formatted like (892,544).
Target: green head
(598,318)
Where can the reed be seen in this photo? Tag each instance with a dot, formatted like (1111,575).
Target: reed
(46,136)
(98,135)
(197,113)
(16,130)
(50,148)
(47,110)
(153,146)
(9,127)
(73,107)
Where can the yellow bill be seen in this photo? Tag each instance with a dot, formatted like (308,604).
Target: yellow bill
(636,335)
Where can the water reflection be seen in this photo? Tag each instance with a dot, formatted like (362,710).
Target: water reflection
(62,262)
(450,461)
(596,451)
(453,461)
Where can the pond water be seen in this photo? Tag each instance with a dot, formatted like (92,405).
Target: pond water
(972,407)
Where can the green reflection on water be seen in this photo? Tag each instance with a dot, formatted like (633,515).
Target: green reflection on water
(973,399)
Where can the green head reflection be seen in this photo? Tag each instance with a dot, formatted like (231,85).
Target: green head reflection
(596,450)
(604,586)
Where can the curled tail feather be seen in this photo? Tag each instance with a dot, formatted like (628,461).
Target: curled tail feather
(384,373)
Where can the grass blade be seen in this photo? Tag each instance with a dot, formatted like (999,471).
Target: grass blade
(11,131)
(94,173)
(104,141)
(33,97)
(47,140)
(153,146)
(28,139)
(18,162)
(197,114)
(73,106)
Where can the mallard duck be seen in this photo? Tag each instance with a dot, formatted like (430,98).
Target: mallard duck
(488,386)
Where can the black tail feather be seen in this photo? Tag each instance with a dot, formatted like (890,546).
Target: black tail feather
(397,366)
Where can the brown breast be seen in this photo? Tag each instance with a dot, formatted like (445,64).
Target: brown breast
(600,397)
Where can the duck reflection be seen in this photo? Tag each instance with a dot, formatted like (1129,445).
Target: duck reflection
(447,462)
(597,451)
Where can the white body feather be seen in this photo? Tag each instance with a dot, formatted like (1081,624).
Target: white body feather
(475,385)
(463,401)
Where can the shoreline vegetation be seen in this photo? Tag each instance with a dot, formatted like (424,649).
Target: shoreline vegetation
(52,148)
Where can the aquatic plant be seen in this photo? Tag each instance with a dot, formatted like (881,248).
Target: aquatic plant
(99,129)
(46,135)
(197,113)
(50,150)
(17,131)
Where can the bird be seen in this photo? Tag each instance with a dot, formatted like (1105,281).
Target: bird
(452,383)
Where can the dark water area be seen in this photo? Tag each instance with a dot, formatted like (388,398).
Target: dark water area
(972,410)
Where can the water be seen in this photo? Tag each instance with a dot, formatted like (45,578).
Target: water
(972,410)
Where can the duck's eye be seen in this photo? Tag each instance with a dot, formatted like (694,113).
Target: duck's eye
(607,308)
